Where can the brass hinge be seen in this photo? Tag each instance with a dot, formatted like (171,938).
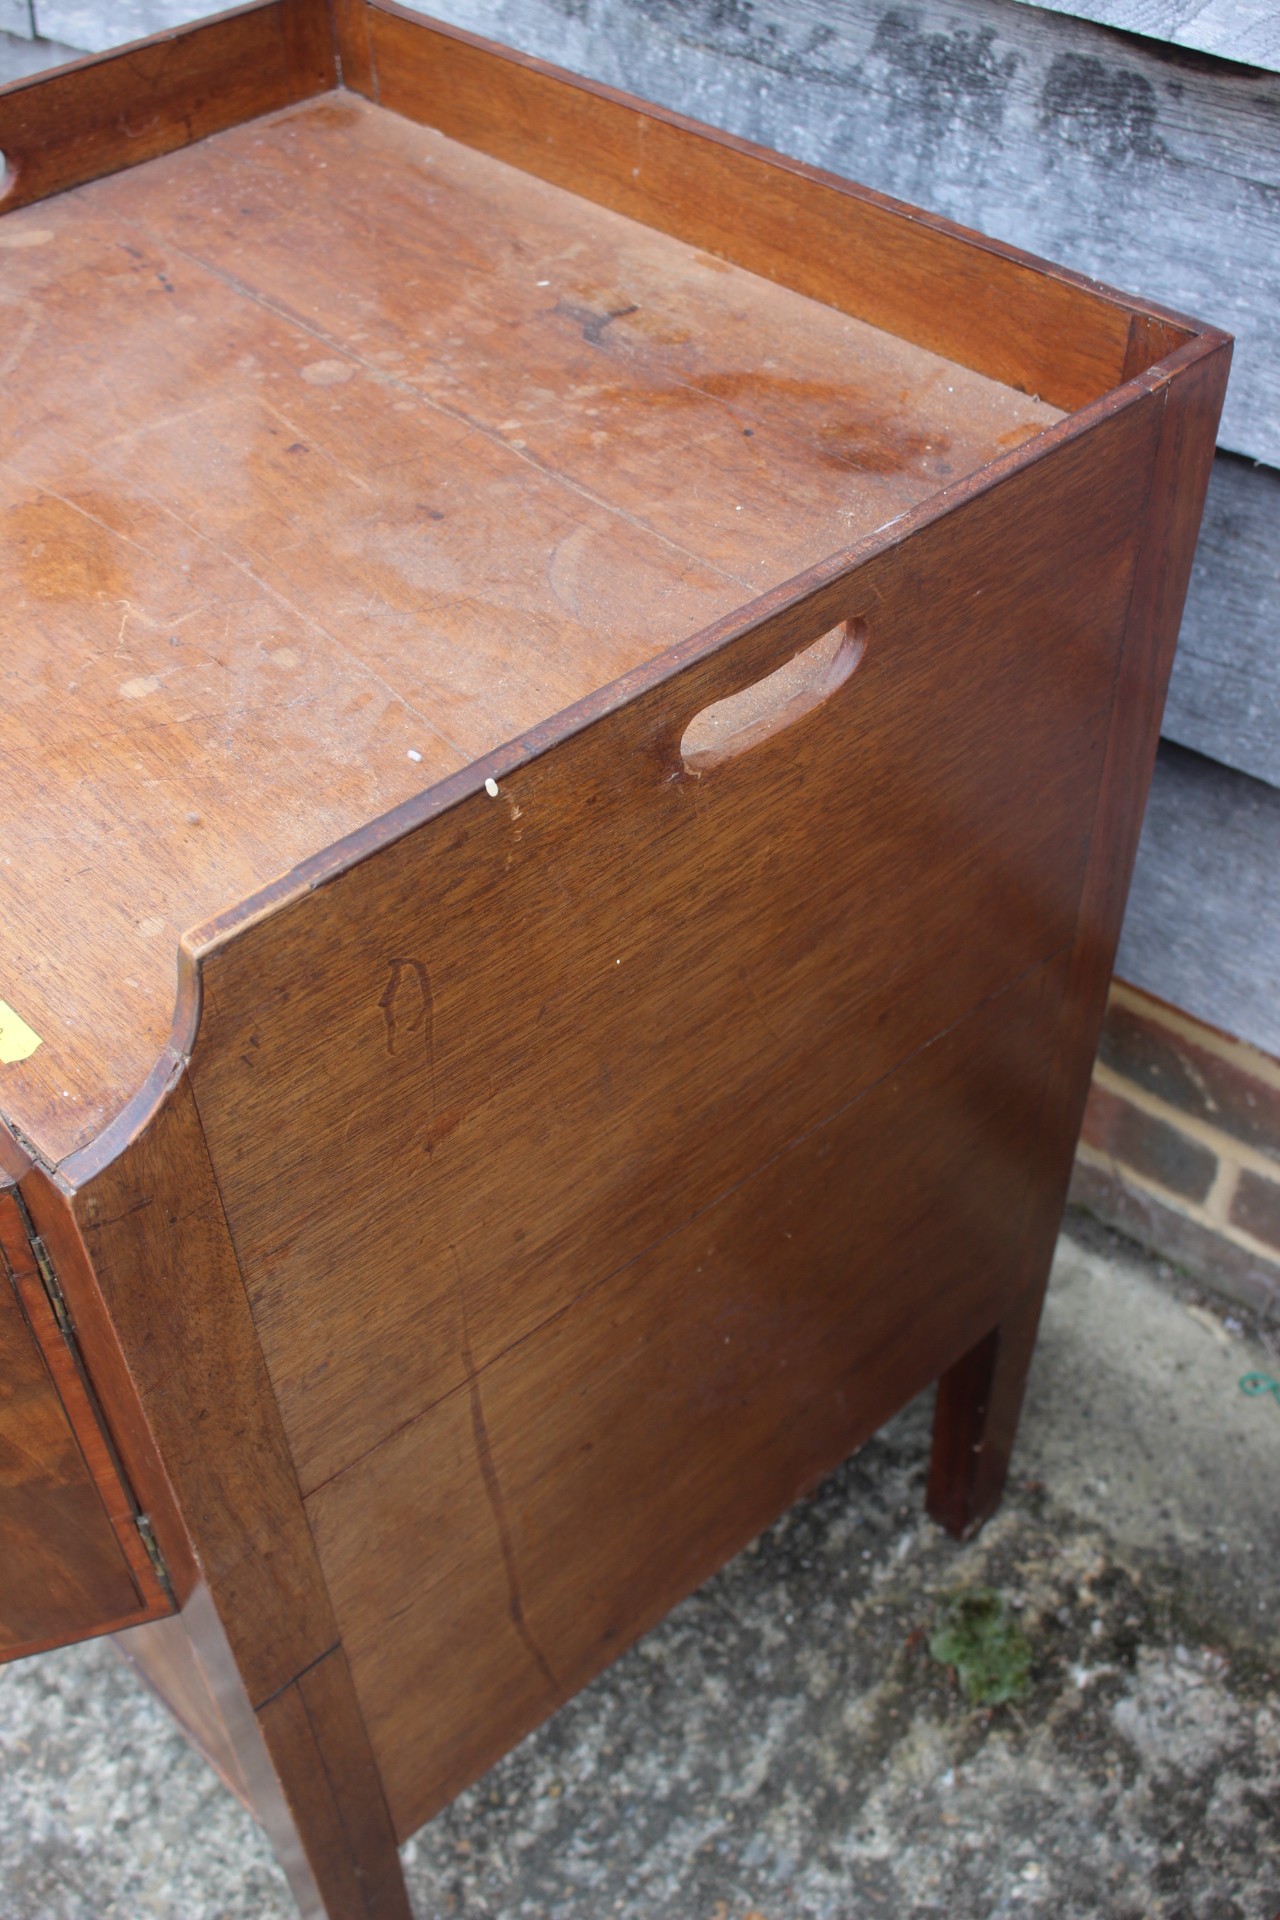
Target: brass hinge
(53,1292)
(146,1534)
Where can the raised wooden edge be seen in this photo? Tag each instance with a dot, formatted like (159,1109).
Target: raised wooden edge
(1008,314)
(115,110)
(1192,404)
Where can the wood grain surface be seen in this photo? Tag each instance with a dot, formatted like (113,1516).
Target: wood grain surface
(1189,396)
(324,546)
(567,1148)
(469,1094)
(154,1216)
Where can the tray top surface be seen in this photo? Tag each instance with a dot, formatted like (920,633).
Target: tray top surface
(334,454)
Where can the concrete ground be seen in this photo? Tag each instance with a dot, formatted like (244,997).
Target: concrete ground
(786,1746)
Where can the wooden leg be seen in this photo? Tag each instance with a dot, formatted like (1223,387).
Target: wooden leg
(301,1764)
(976,1418)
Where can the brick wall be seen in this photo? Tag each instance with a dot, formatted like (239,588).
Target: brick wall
(1181,1146)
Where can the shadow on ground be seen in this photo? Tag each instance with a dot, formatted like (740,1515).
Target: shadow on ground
(785,1746)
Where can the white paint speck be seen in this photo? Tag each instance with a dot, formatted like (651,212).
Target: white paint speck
(491,788)
(414,754)
(327,373)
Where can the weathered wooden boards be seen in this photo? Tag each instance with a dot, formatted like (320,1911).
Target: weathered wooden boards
(1242,30)
(1224,698)
(95,25)
(1203,925)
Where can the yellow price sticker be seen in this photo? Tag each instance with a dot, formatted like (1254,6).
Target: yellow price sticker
(18,1041)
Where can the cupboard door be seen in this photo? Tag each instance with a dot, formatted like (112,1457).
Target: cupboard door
(64,1574)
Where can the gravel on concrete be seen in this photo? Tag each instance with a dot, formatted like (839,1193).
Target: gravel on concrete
(784,1746)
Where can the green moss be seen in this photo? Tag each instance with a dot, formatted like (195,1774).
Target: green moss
(977,1636)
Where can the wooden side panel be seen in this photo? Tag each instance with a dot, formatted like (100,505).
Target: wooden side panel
(980,1399)
(483,1105)
(63,1571)
(1019,320)
(500,1550)
(101,115)
(1191,405)
(475,1076)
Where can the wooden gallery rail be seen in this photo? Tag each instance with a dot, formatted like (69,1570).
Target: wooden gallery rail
(627,670)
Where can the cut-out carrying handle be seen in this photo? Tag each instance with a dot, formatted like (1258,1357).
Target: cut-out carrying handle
(740,721)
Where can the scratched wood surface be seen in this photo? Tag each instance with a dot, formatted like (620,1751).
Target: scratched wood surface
(502,1548)
(1014,318)
(292,527)
(1152,168)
